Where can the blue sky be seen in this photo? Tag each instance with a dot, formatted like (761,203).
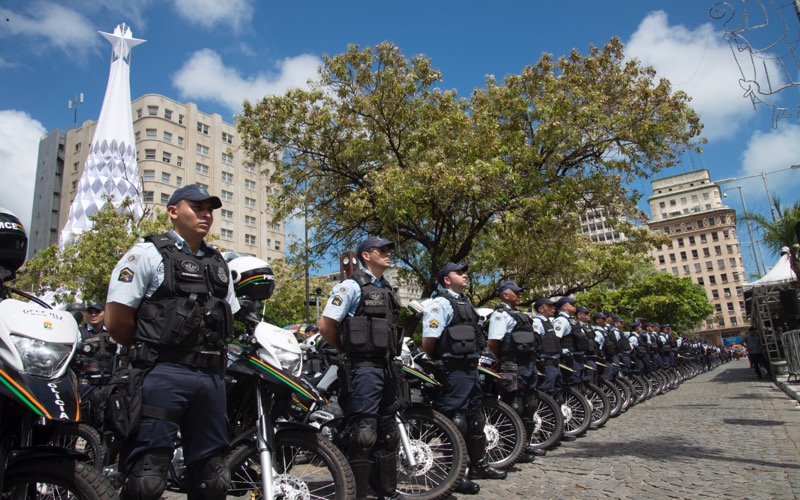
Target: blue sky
(217,52)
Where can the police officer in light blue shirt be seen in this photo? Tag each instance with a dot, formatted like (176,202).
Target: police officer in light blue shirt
(360,320)
(551,346)
(183,389)
(451,335)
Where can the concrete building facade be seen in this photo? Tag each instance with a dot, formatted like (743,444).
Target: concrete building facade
(177,144)
(703,246)
(46,208)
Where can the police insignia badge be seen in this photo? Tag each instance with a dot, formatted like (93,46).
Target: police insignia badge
(558,328)
(433,324)
(337,300)
(222,275)
(126,275)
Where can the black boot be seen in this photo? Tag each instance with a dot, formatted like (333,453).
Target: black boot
(361,470)
(386,472)
(468,487)
(530,451)
(479,467)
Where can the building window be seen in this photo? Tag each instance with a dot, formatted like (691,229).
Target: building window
(137,136)
(249,239)
(166,157)
(712,280)
(152,110)
(697,267)
(227,177)
(726,233)
(227,215)
(75,167)
(180,119)
(703,238)
(147,196)
(714,236)
(662,205)
(732,261)
(249,220)
(683,200)
(701,281)
(691,239)
(202,150)
(149,154)
(165,177)
(179,181)
(139,113)
(715,293)
(277,245)
(680,242)
(727,292)
(151,133)
(694,254)
(685,269)
(201,169)
(672,257)
(204,186)
(718,308)
(683,255)
(227,138)
(77,147)
(226,234)
(724,277)
(705,196)
(167,136)
(227,196)
(706,252)
(74,184)
(180,141)
(227,159)
(248,184)
(168,114)
(661,259)
(249,202)
(202,128)
(734,321)
(164,198)
(709,266)
(179,161)
(249,168)
(149,175)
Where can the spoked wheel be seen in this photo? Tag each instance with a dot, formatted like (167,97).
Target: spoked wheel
(306,466)
(83,438)
(52,478)
(613,395)
(625,391)
(505,433)
(548,422)
(601,407)
(440,453)
(639,388)
(577,412)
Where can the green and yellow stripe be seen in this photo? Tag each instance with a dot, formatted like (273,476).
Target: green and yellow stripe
(277,373)
(23,395)
(252,279)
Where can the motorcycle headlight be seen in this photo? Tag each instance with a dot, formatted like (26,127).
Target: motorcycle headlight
(40,358)
(290,362)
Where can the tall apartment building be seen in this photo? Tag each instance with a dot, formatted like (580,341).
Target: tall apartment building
(177,144)
(46,208)
(596,225)
(703,246)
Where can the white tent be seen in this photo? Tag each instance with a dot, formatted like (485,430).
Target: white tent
(781,273)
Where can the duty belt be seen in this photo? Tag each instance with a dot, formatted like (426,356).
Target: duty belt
(459,364)
(199,359)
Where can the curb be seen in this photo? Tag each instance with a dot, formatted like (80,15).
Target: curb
(793,391)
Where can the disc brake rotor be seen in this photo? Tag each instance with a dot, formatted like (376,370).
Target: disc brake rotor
(492,436)
(290,487)
(423,455)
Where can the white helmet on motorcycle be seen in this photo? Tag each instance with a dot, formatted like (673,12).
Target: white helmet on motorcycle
(13,244)
(252,277)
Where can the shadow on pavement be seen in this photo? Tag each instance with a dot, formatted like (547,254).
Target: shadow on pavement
(751,421)
(675,448)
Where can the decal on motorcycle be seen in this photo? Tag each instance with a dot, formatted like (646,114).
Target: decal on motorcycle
(48,325)
(126,275)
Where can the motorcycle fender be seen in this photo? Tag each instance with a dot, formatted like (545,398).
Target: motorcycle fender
(294,426)
(40,452)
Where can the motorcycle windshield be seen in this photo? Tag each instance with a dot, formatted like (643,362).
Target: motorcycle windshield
(53,399)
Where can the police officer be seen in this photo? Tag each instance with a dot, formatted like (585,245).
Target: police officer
(633,340)
(592,350)
(512,340)
(623,344)
(573,340)
(550,353)
(664,346)
(171,300)
(360,321)
(451,334)
(94,359)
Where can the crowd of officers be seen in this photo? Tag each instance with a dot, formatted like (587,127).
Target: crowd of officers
(359,320)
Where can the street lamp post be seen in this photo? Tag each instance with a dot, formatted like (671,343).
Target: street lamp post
(747,222)
(763,176)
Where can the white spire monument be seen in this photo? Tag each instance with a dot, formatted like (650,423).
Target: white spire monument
(111,167)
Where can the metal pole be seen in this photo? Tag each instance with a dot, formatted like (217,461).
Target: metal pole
(769,196)
(749,231)
(308,307)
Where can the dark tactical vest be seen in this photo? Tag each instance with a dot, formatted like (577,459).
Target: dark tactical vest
(610,345)
(576,340)
(591,344)
(522,341)
(623,343)
(551,344)
(95,354)
(462,338)
(665,346)
(673,342)
(642,347)
(372,333)
(188,313)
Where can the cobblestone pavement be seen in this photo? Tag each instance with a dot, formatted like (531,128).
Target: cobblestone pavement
(723,434)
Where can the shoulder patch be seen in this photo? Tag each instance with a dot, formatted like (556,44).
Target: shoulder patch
(558,327)
(434,309)
(132,258)
(433,324)
(126,275)
(337,300)
(343,289)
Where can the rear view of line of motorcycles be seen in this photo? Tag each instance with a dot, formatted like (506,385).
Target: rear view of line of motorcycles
(282,406)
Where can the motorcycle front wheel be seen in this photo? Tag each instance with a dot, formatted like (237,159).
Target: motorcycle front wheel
(48,478)
(307,466)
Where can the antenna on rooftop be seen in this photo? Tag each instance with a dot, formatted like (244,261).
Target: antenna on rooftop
(73,104)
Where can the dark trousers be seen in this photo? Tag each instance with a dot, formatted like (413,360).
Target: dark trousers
(195,397)
(552,382)
(463,392)
(758,360)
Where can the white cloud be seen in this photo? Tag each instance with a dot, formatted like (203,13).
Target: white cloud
(51,25)
(206,77)
(768,151)
(700,63)
(19,151)
(210,13)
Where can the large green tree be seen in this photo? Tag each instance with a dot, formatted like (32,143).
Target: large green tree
(660,297)
(377,146)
